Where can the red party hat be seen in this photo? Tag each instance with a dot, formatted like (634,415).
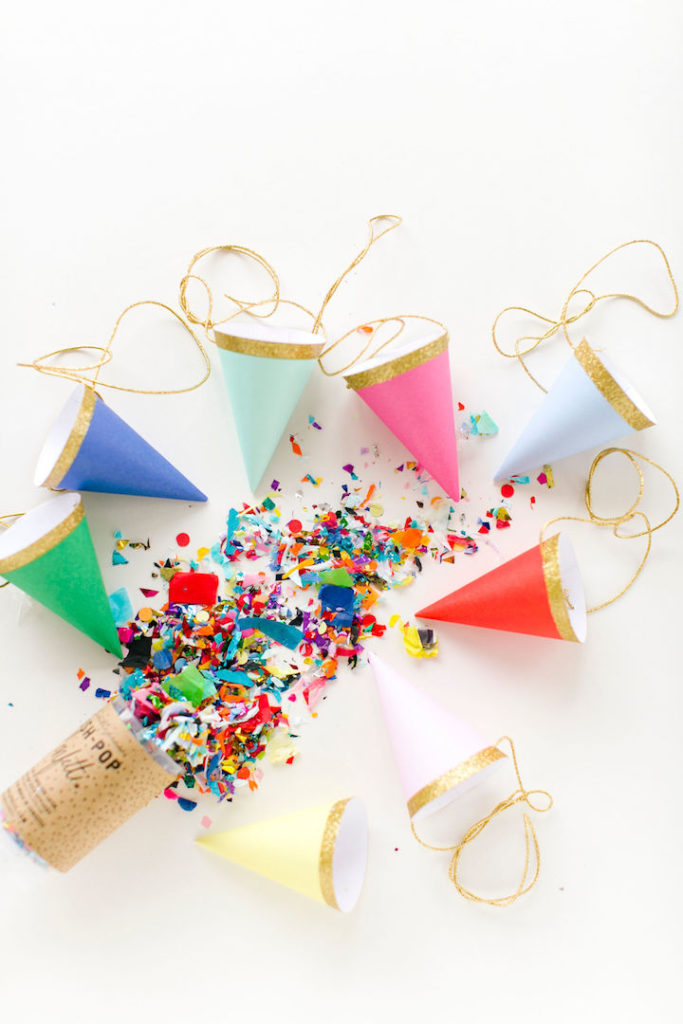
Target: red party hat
(539,592)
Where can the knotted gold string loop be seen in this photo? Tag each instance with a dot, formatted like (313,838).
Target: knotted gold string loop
(371,329)
(79,374)
(247,307)
(374,236)
(529,877)
(631,513)
(208,323)
(522,349)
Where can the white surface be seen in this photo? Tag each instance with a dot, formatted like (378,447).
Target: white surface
(519,142)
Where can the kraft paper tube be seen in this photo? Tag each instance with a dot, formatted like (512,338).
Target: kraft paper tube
(82,791)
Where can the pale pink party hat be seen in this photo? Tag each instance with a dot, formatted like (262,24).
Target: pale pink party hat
(438,756)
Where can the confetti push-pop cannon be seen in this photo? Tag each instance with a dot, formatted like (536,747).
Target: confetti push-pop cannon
(539,592)
(81,792)
(409,388)
(591,403)
(320,851)
(90,448)
(266,369)
(48,553)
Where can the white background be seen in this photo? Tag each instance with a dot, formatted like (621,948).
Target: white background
(519,141)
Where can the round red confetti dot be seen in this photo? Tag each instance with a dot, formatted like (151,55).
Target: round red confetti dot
(182,540)
(294,525)
(507,490)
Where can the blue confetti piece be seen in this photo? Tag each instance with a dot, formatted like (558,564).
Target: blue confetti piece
(163,658)
(185,804)
(289,636)
(102,694)
(121,607)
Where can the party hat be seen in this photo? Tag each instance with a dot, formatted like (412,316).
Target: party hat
(438,756)
(48,553)
(90,448)
(321,851)
(266,369)
(410,389)
(539,592)
(591,403)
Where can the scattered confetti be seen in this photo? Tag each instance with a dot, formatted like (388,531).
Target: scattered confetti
(182,540)
(223,668)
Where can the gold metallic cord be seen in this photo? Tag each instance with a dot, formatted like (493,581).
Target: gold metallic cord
(631,513)
(532,866)
(522,349)
(79,374)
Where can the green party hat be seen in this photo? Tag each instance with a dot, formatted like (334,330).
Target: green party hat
(48,553)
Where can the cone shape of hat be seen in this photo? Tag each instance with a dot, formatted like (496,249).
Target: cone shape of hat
(48,553)
(266,369)
(410,390)
(320,851)
(539,592)
(438,755)
(591,403)
(90,448)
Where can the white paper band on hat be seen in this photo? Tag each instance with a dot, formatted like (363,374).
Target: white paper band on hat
(65,438)
(344,854)
(39,530)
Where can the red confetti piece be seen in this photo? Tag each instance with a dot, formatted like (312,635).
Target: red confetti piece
(507,490)
(294,526)
(182,540)
(193,588)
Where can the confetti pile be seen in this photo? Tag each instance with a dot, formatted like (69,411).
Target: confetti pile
(216,674)
(222,668)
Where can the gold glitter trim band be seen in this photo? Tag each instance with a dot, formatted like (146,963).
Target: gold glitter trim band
(609,389)
(46,543)
(461,772)
(268,349)
(395,367)
(557,599)
(329,841)
(74,441)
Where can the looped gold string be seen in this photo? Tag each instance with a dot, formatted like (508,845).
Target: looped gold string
(374,236)
(4,526)
(371,329)
(527,343)
(208,323)
(532,866)
(79,374)
(631,513)
(243,307)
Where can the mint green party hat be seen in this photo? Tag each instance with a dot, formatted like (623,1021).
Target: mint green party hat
(266,369)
